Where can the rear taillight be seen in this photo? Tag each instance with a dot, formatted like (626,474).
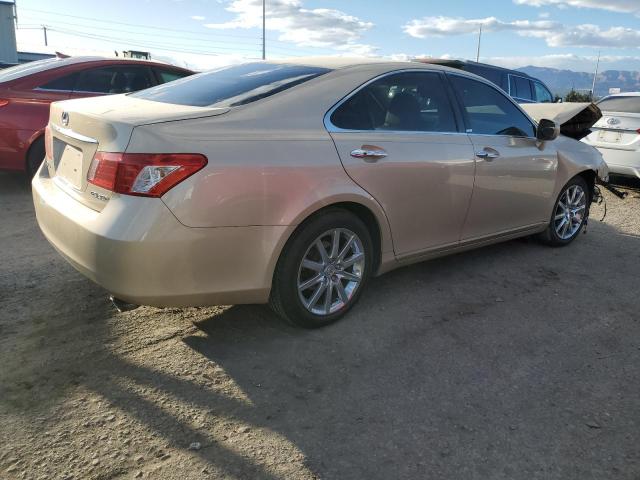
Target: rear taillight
(143,174)
(48,142)
(3,102)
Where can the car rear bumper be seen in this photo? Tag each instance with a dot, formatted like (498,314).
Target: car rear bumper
(622,162)
(137,250)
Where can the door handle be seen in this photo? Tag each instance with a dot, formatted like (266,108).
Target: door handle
(488,154)
(372,153)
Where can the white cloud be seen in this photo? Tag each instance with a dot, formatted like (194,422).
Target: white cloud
(443,26)
(622,6)
(554,33)
(197,17)
(319,27)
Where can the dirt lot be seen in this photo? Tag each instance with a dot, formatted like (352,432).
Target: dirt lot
(515,361)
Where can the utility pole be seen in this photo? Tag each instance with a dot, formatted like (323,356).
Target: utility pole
(595,77)
(44,29)
(264,29)
(479,40)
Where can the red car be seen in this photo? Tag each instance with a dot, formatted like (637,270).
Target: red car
(27,90)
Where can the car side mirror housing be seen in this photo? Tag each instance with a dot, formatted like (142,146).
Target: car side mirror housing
(547,130)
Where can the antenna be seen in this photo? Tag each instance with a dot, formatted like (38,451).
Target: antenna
(479,40)
(595,77)
(264,25)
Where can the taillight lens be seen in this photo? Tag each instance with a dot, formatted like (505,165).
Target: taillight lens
(48,142)
(143,174)
(3,102)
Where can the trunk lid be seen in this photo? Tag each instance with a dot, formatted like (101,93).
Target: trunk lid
(617,130)
(80,128)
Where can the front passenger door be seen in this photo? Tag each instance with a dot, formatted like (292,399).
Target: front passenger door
(515,174)
(398,139)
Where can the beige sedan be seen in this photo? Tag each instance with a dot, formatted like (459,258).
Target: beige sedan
(293,183)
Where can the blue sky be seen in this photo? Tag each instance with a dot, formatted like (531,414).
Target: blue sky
(206,33)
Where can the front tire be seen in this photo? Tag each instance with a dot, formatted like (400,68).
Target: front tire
(323,269)
(570,213)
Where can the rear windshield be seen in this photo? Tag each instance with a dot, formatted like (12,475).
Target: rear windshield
(19,71)
(620,104)
(231,86)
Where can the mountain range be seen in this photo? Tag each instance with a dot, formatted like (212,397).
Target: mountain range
(562,81)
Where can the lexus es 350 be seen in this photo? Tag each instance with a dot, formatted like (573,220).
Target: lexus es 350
(294,183)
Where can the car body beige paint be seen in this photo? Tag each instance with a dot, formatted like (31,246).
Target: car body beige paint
(216,237)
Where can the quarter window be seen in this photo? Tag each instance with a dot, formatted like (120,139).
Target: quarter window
(170,75)
(520,88)
(542,94)
(114,80)
(490,112)
(409,101)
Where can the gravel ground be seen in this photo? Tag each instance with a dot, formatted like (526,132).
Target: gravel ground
(515,361)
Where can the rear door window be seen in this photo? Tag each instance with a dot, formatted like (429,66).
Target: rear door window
(232,86)
(409,101)
(520,88)
(117,79)
(490,112)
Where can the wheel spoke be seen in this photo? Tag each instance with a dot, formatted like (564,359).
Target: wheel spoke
(328,299)
(346,248)
(316,295)
(353,259)
(311,265)
(322,250)
(352,277)
(335,245)
(309,283)
(578,209)
(580,197)
(341,292)
(559,216)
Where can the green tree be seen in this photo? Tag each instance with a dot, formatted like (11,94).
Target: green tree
(574,96)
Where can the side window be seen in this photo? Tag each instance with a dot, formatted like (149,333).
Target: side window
(170,75)
(66,83)
(520,87)
(114,79)
(409,101)
(542,94)
(490,112)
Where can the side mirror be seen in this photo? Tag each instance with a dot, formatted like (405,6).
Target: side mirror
(547,130)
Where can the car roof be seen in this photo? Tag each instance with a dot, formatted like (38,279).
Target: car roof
(623,94)
(337,63)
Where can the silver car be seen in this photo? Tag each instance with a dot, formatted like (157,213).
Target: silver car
(294,183)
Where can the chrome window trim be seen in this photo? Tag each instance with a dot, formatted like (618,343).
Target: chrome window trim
(41,89)
(71,134)
(331,128)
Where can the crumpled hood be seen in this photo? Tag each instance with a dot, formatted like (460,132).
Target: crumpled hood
(575,119)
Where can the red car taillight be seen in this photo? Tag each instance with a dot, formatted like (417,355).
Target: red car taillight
(143,174)
(3,102)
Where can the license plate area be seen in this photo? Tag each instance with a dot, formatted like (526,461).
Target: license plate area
(609,136)
(70,166)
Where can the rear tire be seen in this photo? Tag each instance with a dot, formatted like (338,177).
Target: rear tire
(35,156)
(570,212)
(312,288)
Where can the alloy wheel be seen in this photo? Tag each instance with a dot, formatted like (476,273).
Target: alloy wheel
(570,212)
(331,271)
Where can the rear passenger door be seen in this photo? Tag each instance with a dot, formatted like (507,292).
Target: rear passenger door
(398,138)
(515,174)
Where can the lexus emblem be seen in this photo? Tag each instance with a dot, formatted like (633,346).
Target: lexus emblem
(612,121)
(65,118)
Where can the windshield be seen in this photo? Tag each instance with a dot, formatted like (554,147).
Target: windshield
(232,86)
(19,71)
(623,104)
